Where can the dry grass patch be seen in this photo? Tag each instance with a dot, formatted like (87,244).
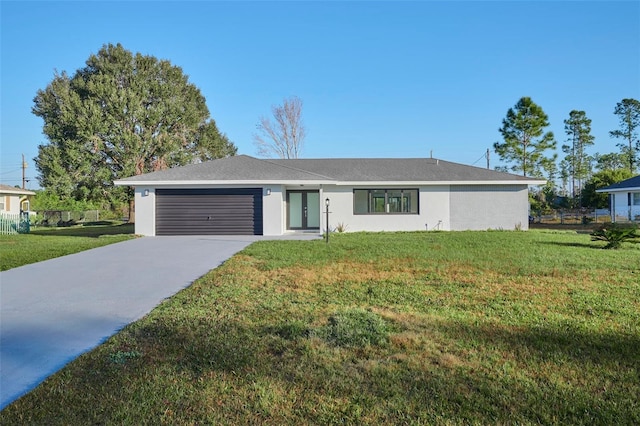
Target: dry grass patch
(407,328)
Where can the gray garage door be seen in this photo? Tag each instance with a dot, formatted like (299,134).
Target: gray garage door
(209,211)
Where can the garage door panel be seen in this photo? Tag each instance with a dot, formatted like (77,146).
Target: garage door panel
(209,211)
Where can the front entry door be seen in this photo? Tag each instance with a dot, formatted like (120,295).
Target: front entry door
(303,210)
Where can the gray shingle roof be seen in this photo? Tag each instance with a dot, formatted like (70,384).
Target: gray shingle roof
(397,169)
(239,167)
(246,168)
(633,182)
(7,189)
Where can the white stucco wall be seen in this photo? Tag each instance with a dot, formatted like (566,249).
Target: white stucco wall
(620,206)
(482,207)
(145,206)
(273,210)
(441,207)
(433,211)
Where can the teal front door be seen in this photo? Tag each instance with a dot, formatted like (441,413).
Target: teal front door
(303,210)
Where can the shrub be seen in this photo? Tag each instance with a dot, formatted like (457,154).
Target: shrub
(615,234)
(341,227)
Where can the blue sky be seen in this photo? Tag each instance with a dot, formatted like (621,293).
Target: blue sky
(378,79)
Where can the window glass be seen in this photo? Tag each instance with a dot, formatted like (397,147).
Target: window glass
(381,201)
(411,201)
(636,198)
(378,201)
(395,201)
(313,210)
(361,201)
(295,209)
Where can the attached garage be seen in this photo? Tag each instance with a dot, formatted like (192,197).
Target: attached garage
(209,211)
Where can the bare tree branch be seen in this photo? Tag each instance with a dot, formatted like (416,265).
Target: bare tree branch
(282,136)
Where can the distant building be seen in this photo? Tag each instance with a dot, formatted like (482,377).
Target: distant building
(624,199)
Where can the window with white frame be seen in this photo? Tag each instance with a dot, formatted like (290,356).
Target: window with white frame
(385,201)
(636,199)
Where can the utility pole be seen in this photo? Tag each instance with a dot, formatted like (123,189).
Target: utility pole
(487,158)
(24,168)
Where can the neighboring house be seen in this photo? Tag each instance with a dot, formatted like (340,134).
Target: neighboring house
(13,200)
(624,199)
(246,195)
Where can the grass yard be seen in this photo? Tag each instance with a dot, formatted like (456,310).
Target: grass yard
(46,243)
(390,328)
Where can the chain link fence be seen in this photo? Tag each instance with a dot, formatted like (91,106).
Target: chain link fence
(571,217)
(65,217)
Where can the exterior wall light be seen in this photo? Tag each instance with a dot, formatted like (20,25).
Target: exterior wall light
(146,192)
(268,191)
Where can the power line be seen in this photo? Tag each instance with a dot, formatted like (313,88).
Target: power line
(10,171)
(485,156)
(481,158)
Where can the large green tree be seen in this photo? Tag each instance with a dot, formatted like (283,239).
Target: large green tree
(599,180)
(123,114)
(610,161)
(525,141)
(628,112)
(578,129)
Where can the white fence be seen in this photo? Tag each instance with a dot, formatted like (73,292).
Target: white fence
(14,223)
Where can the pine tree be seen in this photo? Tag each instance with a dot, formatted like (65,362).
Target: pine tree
(578,130)
(525,141)
(628,111)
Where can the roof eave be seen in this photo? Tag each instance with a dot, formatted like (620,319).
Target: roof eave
(17,192)
(124,182)
(444,182)
(628,189)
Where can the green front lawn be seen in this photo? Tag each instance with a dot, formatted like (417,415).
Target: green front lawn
(390,328)
(46,243)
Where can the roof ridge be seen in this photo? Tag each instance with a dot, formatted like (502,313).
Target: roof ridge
(430,160)
(293,168)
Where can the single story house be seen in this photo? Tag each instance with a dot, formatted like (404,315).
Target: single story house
(13,200)
(624,199)
(246,195)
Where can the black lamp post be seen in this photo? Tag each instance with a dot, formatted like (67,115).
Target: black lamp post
(326,204)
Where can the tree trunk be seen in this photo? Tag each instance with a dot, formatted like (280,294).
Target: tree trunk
(132,211)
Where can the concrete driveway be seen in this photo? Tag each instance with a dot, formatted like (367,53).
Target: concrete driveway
(53,311)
